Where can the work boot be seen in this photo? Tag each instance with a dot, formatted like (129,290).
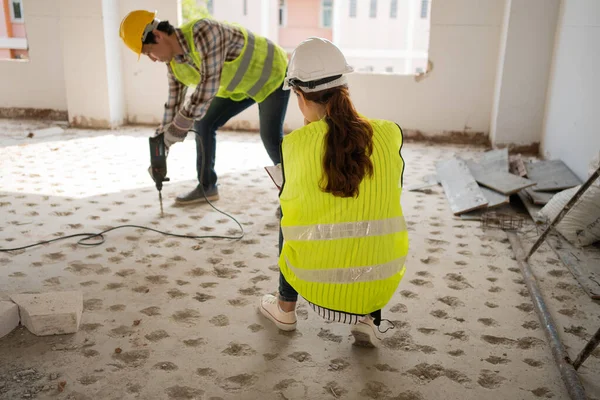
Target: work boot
(364,332)
(198,195)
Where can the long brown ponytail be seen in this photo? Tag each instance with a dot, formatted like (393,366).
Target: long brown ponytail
(349,143)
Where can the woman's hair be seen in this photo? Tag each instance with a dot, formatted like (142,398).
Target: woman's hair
(348,144)
(163,26)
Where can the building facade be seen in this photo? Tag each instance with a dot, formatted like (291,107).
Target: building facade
(13,40)
(378,36)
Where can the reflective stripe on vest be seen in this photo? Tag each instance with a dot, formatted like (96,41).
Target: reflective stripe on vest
(349,275)
(245,63)
(256,73)
(344,229)
(266,71)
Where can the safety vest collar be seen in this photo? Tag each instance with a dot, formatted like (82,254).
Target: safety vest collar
(367,273)
(180,59)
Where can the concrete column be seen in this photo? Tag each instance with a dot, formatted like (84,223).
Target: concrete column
(336,33)
(410,38)
(111,19)
(526,46)
(92,63)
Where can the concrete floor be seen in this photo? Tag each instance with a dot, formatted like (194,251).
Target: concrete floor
(183,312)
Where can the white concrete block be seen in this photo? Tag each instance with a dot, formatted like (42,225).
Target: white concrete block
(9,317)
(54,313)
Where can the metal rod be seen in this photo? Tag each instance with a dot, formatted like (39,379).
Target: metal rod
(161,205)
(587,350)
(561,357)
(563,212)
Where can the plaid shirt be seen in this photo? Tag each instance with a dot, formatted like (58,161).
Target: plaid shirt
(216,43)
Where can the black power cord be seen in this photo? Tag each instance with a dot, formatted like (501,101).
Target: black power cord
(100,235)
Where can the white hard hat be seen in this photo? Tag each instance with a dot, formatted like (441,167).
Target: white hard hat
(316,64)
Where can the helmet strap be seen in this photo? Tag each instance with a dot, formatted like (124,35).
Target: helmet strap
(313,84)
(149,28)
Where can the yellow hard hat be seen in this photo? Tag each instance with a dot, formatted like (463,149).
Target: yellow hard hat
(133,29)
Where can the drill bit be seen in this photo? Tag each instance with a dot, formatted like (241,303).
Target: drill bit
(161,206)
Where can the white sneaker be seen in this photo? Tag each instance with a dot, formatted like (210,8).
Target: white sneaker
(364,332)
(269,307)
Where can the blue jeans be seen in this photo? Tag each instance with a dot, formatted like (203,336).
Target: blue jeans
(286,291)
(271,114)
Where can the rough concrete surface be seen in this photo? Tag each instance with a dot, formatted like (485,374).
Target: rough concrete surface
(9,317)
(50,313)
(173,318)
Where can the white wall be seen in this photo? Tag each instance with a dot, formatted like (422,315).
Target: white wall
(85,67)
(572,123)
(39,82)
(383,32)
(523,70)
(111,17)
(458,94)
(233,11)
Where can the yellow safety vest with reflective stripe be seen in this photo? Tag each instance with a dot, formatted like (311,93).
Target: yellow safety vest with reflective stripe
(345,254)
(256,73)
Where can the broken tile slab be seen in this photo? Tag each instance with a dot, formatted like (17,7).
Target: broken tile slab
(53,313)
(461,190)
(532,209)
(495,160)
(539,198)
(499,181)
(494,198)
(552,175)
(9,317)
(429,180)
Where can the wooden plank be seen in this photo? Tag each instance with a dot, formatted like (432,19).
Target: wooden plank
(539,198)
(552,175)
(496,160)
(494,198)
(461,190)
(583,263)
(532,209)
(500,181)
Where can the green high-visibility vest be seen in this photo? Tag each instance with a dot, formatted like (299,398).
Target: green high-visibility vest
(256,73)
(344,254)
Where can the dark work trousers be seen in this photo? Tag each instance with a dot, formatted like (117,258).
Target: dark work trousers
(271,114)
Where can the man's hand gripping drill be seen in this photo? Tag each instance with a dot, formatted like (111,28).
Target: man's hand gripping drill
(158,164)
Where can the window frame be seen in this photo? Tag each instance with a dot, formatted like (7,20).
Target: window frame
(373,9)
(282,13)
(393,9)
(322,13)
(12,11)
(352,6)
(424,9)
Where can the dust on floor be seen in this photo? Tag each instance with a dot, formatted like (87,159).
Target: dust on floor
(170,318)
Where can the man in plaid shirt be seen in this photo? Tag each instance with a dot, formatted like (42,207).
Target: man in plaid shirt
(231,69)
